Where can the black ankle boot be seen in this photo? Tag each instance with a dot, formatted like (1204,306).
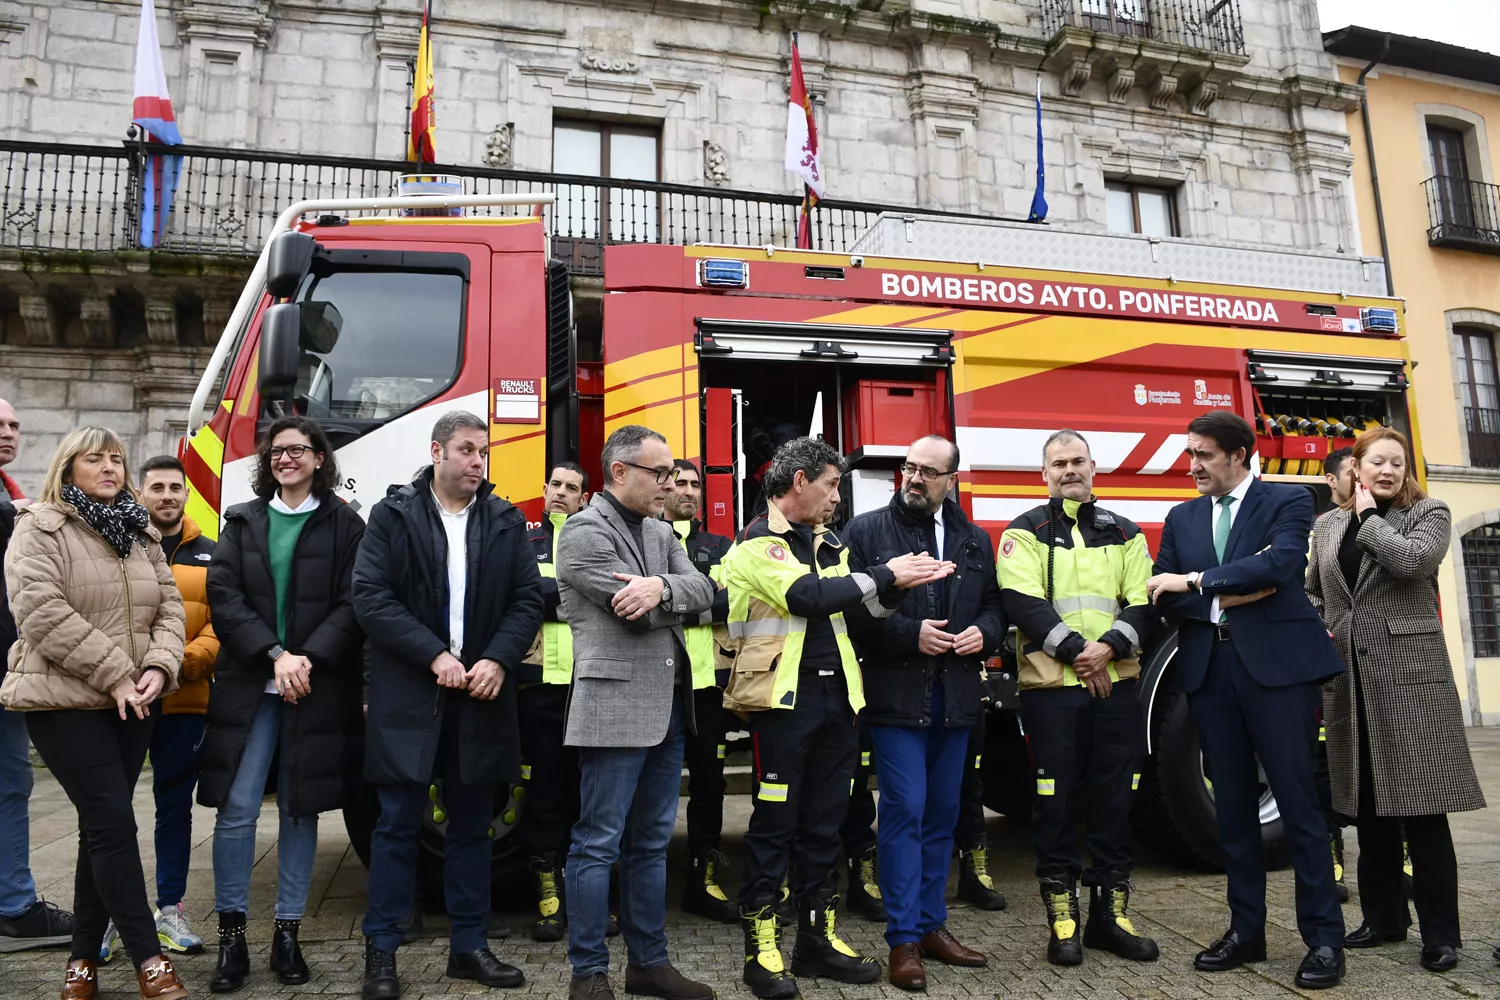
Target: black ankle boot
(551,923)
(974,883)
(1109,929)
(286,954)
(233,969)
(864,890)
(380,981)
(764,972)
(701,895)
(820,953)
(1061,902)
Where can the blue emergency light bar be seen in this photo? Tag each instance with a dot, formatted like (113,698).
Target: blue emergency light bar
(1378,320)
(716,272)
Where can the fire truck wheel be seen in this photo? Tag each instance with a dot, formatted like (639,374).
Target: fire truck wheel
(1174,808)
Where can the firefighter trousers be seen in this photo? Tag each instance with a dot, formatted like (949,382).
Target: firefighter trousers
(858,833)
(970,831)
(804,758)
(549,772)
(703,756)
(1088,754)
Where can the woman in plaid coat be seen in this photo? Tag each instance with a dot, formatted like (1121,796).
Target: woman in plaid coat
(1397,754)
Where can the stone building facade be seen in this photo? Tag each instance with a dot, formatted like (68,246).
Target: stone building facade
(1228,114)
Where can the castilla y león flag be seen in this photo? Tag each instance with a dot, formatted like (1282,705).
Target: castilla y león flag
(802,147)
(152,111)
(422,146)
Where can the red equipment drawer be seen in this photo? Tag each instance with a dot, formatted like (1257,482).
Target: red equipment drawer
(1294,446)
(877,412)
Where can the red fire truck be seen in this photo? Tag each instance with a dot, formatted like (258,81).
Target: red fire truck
(376,324)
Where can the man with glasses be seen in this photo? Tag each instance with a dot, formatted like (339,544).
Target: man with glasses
(921,670)
(627,588)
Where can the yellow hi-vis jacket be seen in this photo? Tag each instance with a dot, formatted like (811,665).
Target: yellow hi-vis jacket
(780,575)
(552,649)
(1072,572)
(700,637)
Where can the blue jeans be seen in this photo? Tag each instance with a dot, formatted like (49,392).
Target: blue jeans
(920,770)
(175,743)
(234,828)
(466,863)
(628,809)
(17,889)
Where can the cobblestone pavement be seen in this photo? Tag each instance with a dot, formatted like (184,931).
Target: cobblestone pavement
(1183,910)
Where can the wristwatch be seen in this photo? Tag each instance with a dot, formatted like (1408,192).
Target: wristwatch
(666,591)
(1193,578)
(275,652)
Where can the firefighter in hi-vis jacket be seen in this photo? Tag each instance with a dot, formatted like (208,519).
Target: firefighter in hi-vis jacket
(1073,581)
(796,681)
(703,747)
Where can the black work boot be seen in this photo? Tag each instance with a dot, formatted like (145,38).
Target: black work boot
(286,954)
(765,973)
(1060,899)
(974,883)
(551,922)
(1109,929)
(381,982)
(820,953)
(702,895)
(233,968)
(1336,842)
(864,891)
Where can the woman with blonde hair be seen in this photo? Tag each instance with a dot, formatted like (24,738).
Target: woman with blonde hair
(101,637)
(1397,754)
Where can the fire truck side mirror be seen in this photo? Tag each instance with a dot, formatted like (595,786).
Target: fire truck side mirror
(280,345)
(288,262)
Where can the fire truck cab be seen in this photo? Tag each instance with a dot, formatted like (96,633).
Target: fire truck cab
(992,334)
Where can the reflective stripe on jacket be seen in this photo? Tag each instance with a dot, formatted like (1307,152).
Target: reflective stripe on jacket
(706,550)
(1099,568)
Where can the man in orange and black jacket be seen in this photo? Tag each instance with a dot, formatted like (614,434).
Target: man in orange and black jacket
(178,735)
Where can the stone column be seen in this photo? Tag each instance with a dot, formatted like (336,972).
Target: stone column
(396,36)
(944,99)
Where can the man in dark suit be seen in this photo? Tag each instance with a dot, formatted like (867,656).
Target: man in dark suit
(1252,656)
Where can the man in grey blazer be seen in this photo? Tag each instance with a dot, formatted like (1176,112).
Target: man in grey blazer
(626,588)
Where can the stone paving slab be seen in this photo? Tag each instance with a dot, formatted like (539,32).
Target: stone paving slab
(1184,910)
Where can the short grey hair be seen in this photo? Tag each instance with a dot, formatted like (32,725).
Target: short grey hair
(624,445)
(1066,434)
(450,424)
(809,456)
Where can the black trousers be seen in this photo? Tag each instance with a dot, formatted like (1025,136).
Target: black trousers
(549,772)
(858,832)
(970,831)
(1088,760)
(1434,865)
(703,755)
(97,758)
(805,759)
(1239,720)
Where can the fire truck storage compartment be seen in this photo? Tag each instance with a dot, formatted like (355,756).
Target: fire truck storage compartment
(883,412)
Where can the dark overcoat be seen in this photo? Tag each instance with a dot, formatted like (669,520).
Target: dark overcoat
(1388,629)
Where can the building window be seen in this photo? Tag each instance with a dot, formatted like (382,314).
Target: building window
(1480,394)
(604,149)
(1137,208)
(1118,17)
(1454,199)
(1481,548)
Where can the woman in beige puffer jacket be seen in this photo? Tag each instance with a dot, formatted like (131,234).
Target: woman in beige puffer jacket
(101,637)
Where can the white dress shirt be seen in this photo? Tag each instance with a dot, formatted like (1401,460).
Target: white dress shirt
(937,532)
(1234,511)
(456,527)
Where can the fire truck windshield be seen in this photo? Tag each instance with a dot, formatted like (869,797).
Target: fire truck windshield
(377,343)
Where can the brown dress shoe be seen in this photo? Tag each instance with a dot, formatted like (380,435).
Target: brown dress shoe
(158,980)
(906,968)
(81,981)
(940,944)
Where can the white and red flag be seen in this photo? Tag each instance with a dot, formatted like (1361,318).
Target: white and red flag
(802,148)
(152,111)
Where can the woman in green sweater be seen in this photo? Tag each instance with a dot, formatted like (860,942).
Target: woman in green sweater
(289,677)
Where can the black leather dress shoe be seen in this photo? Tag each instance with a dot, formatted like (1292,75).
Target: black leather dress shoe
(483,967)
(1369,937)
(1439,957)
(1321,969)
(1230,952)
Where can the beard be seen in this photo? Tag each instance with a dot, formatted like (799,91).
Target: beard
(920,501)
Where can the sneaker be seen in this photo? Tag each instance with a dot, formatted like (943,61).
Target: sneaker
(43,925)
(111,945)
(173,932)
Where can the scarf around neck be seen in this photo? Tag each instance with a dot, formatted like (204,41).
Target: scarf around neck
(118,522)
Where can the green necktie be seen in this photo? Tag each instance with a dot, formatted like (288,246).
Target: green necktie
(1221,527)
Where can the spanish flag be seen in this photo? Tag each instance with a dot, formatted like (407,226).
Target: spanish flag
(421,146)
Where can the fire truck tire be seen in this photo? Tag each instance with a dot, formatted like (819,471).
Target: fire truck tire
(1009,788)
(1174,807)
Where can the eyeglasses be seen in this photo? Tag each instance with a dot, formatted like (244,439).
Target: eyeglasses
(923,471)
(663,476)
(290,450)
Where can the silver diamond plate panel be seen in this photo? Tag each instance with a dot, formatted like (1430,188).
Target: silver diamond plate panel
(1017,244)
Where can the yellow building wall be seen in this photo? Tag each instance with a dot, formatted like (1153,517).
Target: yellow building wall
(1433,282)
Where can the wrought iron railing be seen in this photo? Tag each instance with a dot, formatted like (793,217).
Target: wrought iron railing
(89,198)
(1206,25)
(1484,436)
(1463,213)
